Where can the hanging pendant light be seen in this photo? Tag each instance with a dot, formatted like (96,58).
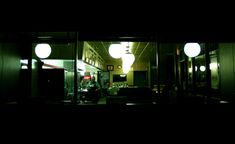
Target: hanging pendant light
(43,50)
(125,69)
(202,68)
(127,60)
(116,50)
(192,49)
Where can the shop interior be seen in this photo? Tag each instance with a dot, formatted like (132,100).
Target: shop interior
(85,70)
(124,71)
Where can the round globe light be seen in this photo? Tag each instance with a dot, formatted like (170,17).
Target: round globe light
(128,59)
(192,49)
(202,68)
(43,50)
(116,50)
(125,69)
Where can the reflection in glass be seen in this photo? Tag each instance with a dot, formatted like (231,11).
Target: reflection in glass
(214,70)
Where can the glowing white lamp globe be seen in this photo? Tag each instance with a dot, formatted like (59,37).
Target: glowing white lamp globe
(128,59)
(43,50)
(202,68)
(116,50)
(125,69)
(192,49)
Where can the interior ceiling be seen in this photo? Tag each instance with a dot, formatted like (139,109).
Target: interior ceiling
(142,50)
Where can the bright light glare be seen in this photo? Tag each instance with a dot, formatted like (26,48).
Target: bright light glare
(116,50)
(192,49)
(202,68)
(43,50)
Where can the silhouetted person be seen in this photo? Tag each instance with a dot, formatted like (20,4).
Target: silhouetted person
(94,90)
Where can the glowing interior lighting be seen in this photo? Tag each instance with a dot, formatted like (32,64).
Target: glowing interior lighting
(190,70)
(82,73)
(43,50)
(126,69)
(87,77)
(128,59)
(213,66)
(24,67)
(116,50)
(24,61)
(192,49)
(202,68)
